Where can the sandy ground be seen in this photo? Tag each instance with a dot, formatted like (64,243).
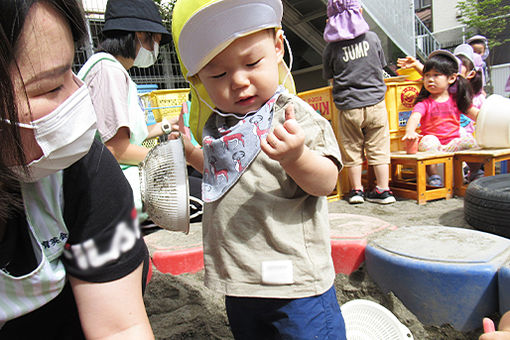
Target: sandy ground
(180,307)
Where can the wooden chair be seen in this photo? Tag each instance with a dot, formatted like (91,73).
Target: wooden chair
(489,158)
(417,188)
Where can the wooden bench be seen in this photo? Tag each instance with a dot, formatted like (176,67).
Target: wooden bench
(489,158)
(417,187)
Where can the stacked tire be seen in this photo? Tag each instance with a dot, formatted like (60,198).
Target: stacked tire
(487,204)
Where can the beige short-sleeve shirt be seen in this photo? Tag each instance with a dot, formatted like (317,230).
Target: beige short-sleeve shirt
(266,237)
(108,85)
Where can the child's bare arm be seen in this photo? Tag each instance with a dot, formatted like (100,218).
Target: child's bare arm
(410,62)
(412,125)
(315,174)
(472,113)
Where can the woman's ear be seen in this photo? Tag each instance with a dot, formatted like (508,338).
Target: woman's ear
(279,45)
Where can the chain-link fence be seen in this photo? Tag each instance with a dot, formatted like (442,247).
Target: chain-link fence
(165,73)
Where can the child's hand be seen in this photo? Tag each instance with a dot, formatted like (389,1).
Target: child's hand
(491,334)
(407,62)
(411,135)
(286,142)
(178,130)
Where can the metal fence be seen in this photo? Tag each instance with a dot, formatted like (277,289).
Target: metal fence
(425,41)
(499,77)
(165,73)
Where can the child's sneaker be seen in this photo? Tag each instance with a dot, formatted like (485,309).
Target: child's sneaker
(356,196)
(381,197)
(435,181)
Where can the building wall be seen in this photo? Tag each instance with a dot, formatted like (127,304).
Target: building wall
(444,14)
(446,27)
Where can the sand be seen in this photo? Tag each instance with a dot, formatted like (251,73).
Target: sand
(180,307)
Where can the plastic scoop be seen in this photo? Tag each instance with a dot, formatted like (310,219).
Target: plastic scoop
(488,325)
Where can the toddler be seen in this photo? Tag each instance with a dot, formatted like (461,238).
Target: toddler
(480,46)
(443,97)
(268,160)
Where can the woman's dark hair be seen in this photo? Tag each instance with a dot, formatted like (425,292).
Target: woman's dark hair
(12,18)
(460,89)
(477,81)
(119,43)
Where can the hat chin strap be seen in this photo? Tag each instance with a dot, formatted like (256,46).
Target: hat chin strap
(223,114)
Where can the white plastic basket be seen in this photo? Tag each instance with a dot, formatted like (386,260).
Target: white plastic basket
(367,320)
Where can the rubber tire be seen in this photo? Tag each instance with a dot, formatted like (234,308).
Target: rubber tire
(487,204)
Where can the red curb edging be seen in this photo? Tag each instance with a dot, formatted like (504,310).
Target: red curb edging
(180,261)
(347,255)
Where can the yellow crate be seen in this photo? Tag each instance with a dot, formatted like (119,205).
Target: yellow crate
(321,100)
(167,103)
(396,143)
(400,96)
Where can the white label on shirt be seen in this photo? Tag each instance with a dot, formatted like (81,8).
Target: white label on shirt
(277,272)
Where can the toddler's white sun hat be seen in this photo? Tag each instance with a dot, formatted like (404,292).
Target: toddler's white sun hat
(201,29)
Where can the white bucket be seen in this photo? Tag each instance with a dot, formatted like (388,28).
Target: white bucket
(493,123)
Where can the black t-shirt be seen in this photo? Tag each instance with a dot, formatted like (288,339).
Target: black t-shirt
(104,237)
(356,67)
(104,241)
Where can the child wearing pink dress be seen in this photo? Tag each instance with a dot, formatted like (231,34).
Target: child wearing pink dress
(438,107)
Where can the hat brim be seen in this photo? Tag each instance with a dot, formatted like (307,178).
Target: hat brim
(200,40)
(449,55)
(138,25)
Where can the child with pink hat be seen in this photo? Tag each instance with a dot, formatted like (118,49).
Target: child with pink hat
(354,62)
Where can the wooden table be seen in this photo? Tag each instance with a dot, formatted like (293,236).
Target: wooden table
(488,157)
(419,190)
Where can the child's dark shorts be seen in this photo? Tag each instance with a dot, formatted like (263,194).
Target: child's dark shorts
(315,317)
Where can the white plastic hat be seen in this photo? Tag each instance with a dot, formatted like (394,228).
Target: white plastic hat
(217,25)
(201,29)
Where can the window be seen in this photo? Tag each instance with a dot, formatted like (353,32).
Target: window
(421,4)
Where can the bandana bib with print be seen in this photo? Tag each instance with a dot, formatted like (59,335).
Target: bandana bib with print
(228,151)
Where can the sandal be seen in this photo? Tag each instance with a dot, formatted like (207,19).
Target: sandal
(435,181)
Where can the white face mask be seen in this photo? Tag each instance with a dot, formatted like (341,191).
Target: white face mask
(146,58)
(65,136)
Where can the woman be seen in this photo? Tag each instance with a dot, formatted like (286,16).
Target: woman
(133,32)
(71,256)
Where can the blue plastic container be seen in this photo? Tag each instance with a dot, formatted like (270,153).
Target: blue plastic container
(443,275)
(145,88)
(504,288)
